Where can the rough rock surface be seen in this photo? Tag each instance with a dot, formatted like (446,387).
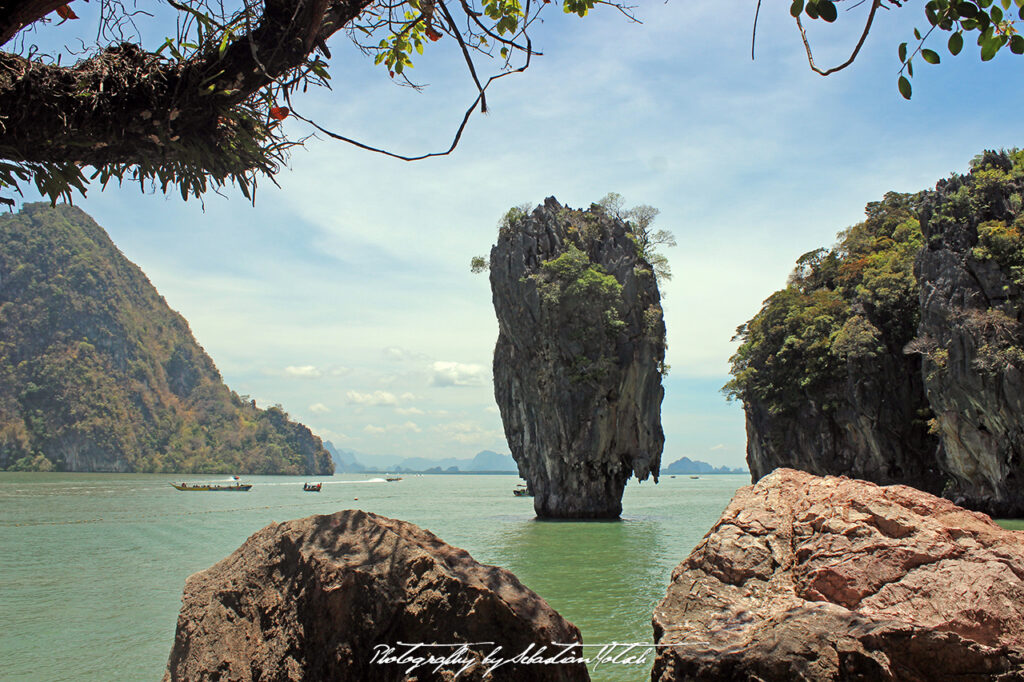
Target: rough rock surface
(971,313)
(312,599)
(577,373)
(871,429)
(807,578)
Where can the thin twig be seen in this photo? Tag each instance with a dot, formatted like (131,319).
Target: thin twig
(455,140)
(753,34)
(860,43)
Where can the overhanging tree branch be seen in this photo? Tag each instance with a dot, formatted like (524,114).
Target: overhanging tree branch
(875,4)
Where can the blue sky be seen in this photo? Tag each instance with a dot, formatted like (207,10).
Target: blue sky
(345,295)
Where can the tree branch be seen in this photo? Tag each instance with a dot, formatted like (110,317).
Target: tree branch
(875,4)
(125,105)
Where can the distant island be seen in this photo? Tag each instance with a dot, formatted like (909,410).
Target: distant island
(484,462)
(98,374)
(695,466)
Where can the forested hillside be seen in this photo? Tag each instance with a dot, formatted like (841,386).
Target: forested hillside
(97,373)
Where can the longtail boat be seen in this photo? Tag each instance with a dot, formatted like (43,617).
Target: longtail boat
(212,487)
(311,487)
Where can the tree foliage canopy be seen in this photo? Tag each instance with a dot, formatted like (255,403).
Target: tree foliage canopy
(203,108)
(647,239)
(846,304)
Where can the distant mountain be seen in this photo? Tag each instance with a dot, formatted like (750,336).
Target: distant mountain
(345,461)
(97,373)
(690,466)
(351,462)
(488,460)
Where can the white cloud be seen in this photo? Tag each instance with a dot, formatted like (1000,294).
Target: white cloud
(492,409)
(409,410)
(720,446)
(407,396)
(407,427)
(374,398)
(467,432)
(303,372)
(456,374)
(319,408)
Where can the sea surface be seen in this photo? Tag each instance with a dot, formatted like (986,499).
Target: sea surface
(92,566)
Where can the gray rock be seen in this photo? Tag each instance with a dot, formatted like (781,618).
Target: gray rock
(970,331)
(577,370)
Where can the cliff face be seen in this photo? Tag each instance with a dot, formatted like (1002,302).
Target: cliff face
(858,369)
(578,362)
(98,374)
(971,336)
(822,373)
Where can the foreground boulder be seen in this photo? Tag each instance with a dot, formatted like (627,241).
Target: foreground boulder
(807,578)
(332,597)
(579,357)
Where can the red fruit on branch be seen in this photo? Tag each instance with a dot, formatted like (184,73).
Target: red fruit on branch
(65,12)
(279,113)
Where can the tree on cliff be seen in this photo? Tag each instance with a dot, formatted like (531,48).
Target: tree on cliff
(204,108)
(647,239)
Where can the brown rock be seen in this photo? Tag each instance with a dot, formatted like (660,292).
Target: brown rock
(317,598)
(808,578)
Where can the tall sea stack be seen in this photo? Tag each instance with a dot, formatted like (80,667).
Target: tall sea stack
(579,358)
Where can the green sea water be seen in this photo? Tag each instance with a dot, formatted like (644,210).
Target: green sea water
(92,566)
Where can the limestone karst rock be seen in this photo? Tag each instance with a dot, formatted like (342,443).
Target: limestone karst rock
(971,333)
(579,357)
(897,356)
(825,383)
(323,598)
(807,578)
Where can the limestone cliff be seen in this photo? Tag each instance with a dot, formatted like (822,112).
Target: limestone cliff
(971,336)
(97,373)
(824,381)
(579,357)
(859,368)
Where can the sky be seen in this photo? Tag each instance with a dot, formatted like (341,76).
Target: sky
(345,296)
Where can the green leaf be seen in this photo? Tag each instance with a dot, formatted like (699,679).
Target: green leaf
(903,53)
(956,43)
(904,86)
(812,10)
(989,49)
(796,8)
(930,56)
(827,10)
(910,68)
(967,10)
(1006,4)
(996,14)
(1017,44)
